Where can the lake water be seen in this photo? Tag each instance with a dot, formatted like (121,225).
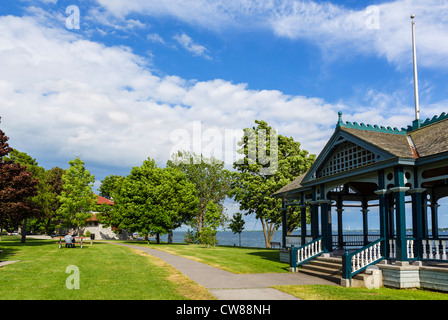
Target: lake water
(228,238)
(251,238)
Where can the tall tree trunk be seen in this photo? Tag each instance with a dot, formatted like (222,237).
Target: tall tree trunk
(23,240)
(268,231)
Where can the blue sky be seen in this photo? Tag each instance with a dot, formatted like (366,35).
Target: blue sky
(136,74)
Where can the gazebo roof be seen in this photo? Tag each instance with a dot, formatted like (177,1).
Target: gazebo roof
(422,139)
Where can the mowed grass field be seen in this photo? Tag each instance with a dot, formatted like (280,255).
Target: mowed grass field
(105,272)
(111,272)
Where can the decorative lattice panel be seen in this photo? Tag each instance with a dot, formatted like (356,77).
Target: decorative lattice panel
(347,156)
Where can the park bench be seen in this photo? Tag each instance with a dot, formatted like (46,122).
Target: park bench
(276,244)
(81,241)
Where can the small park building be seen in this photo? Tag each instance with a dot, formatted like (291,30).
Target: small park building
(98,230)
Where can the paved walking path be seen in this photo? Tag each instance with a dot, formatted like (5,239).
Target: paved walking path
(225,285)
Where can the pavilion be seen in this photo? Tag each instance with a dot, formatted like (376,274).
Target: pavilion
(384,170)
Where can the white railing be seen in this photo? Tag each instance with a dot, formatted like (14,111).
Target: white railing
(309,250)
(434,249)
(409,248)
(366,257)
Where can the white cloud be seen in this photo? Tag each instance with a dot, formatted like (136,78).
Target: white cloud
(154,37)
(44,1)
(335,28)
(188,44)
(66,97)
(105,20)
(62,96)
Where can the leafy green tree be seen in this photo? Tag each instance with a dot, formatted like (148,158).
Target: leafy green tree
(49,187)
(47,198)
(17,187)
(38,173)
(153,200)
(77,198)
(211,181)
(237,224)
(109,184)
(213,218)
(257,179)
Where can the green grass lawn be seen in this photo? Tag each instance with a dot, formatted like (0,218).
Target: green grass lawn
(233,259)
(323,292)
(119,273)
(256,260)
(106,272)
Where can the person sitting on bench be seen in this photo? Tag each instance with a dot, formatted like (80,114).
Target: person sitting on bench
(69,241)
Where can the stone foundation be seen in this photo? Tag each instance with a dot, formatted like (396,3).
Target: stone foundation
(400,275)
(434,278)
(407,276)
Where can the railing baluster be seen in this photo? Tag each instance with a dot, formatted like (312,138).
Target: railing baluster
(431,255)
(410,248)
(443,249)
(424,255)
(391,249)
(437,248)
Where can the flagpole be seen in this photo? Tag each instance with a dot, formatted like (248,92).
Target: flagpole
(417,107)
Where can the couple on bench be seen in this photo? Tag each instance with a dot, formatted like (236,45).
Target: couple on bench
(69,240)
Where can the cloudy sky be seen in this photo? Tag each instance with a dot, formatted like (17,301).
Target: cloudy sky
(117,81)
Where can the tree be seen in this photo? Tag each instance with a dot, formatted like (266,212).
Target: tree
(109,184)
(48,199)
(77,198)
(293,214)
(257,179)
(49,187)
(17,187)
(153,200)
(213,218)
(237,224)
(211,180)
(38,173)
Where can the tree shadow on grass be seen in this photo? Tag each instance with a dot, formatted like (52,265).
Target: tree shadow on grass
(11,245)
(271,255)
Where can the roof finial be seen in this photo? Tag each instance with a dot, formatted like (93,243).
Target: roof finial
(339,119)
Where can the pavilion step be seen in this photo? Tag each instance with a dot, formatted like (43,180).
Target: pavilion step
(329,268)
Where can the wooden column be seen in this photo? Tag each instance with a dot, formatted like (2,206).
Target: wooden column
(425,215)
(390,215)
(314,216)
(382,213)
(303,218)
(400,213)
(417,218)
(382,199)
(434,216)
(284,222)
(325,221)
(365,221)
(339,210)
